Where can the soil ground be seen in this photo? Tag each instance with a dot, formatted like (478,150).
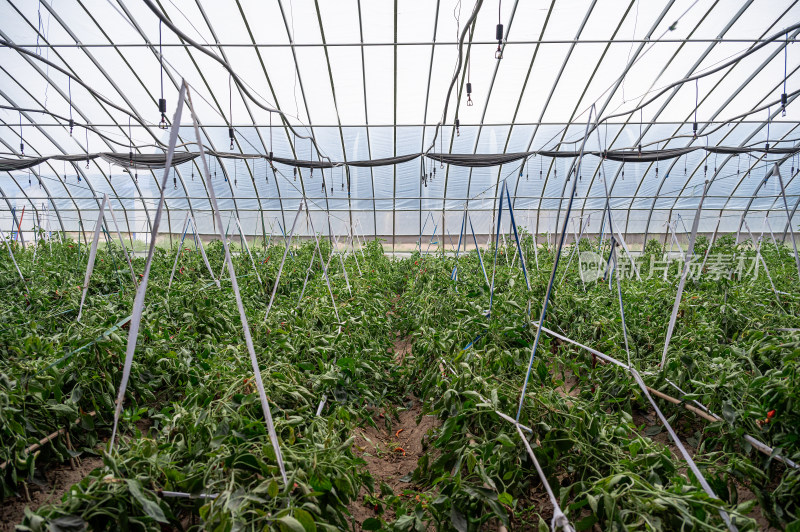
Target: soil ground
(59,480)
(391,454)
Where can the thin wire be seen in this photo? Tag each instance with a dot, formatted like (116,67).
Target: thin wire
(161,58)
(785,61)
(630,48)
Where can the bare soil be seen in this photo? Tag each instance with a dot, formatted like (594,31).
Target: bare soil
(401,348)
(59,479)
(391,453)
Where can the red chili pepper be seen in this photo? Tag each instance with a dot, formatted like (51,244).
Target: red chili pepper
(770,414)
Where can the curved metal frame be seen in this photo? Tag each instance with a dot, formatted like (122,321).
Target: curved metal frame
(738,124)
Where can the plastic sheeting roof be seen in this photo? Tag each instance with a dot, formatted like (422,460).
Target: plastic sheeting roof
(368,80)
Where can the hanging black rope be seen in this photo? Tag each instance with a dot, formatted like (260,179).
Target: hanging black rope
(71,121)
(21,140)
(784,99)
(499,33)
(696,99)
(162,103)
(230,108)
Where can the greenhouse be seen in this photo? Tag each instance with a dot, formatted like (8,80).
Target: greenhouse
(295,265)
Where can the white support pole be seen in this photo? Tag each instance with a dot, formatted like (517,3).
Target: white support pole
(121,242)
(138,303)
(308,273)
(325,273)
(8,246)
(273,436)
(92,255)
(283,260)
(684,275)
(199,241)
(710,244)
(185,226)
(760,258)
(777,172)
(247,248)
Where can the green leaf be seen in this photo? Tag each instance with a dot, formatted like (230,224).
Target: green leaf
(405,522)
(542,526)
(67,523)
(273,489)
(63,410)
(505,441)
(290,524)
(152,509)
(505,498)
(305,519)
(653,430)
(586,523)
(458,519)
(729,413)
(371,524)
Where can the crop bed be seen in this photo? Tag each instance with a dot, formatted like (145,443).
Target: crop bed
(413,376)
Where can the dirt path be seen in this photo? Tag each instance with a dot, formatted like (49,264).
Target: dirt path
(391,453)
(59,480)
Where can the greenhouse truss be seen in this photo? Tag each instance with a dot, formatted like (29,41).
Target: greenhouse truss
(355,249)
(392,120)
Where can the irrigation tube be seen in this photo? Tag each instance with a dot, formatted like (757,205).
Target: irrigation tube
(273,436)
(516,235)
(555,264)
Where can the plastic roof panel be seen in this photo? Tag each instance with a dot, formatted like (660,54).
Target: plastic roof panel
(376,86)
